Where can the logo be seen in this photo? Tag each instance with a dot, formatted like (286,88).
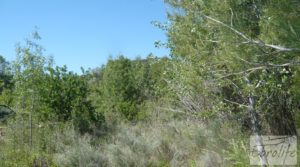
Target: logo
(274,150)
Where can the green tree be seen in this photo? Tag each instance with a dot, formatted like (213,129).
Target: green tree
(118,90)
(125,85)
(29,71)
(51,94)
(6,82)
(150,74)
(243,54)
(66,97)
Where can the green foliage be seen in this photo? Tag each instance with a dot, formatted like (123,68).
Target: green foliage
(118,89)
(6,82)
(5,112)
(51,93)
(124,85)
(66,98)
(29,72)
(194,105)
(237,153)
(5,75)
(19,148)
(226,44)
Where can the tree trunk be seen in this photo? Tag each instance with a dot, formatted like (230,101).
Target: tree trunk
(255,127)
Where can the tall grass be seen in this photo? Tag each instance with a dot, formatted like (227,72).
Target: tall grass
(163,139)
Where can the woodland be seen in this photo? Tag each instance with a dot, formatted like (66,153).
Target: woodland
(233,72)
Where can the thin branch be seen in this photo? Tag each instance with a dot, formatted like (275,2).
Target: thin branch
(171,109)
(244,72)
(231,18)
(249,40)
(232,102)
(238,88)
(258,84)
(231,28)
(248,62)
(267,66)
(213,41)
(285,64)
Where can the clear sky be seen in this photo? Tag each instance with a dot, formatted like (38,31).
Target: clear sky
(83,32)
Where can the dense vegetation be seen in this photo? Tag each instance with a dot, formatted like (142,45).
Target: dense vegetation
(232,72)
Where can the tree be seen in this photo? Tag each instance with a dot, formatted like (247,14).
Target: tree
(66,98)
(6,82)
(29,74)
(125,85)
(118,90)
(244,54)
(149,74)
(51,94)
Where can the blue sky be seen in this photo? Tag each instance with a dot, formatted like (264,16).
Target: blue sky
(83,32)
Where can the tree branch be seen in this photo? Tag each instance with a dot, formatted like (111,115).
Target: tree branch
(249,40)
(236,103)
(243,72)
(267,66)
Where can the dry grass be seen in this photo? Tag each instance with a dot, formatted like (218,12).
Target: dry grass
(164,140)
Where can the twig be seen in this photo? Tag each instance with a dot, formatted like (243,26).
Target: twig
(232,102)
(249,40)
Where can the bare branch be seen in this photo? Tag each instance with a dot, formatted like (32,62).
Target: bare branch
(244,72)
(236,103)
(267,66)
(248,62)
(231,28)
(249,40)
(284,65)
(231,18)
